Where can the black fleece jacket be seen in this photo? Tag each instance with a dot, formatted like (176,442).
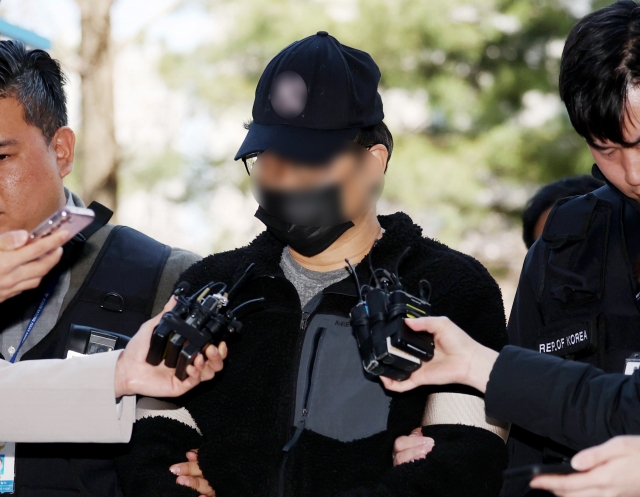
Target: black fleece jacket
(246,413)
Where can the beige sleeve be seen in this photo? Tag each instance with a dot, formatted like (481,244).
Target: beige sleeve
(70,400)
(149,407)
(445,408)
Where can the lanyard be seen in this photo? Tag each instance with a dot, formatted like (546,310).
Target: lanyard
(36,315)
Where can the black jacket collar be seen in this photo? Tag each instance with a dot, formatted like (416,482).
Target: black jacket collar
(400,232)
(597,173)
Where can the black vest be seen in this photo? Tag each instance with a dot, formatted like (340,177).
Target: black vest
(588,295)
(117,295)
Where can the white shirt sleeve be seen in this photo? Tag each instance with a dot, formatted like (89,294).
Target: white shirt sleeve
(461,409)
(57,400)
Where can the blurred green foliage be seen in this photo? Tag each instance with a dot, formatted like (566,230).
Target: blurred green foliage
(483,64)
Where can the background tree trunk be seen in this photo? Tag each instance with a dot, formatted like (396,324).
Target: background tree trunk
(97,142)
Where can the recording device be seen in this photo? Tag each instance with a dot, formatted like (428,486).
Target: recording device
(529,472)
(70,218)
(388,347)
(195,322)
(85,340)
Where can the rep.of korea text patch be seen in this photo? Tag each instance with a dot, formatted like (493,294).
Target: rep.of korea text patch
(570,340)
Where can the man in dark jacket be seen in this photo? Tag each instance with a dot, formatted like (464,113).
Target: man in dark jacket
(294,413)
(578,297)
(110,278)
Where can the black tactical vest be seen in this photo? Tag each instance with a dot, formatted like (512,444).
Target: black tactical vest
(588,294)
(117,295)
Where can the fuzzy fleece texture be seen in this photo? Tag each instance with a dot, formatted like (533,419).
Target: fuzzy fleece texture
(245,412)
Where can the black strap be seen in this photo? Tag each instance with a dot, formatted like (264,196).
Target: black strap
(103,216)
(73,248)
(118,293)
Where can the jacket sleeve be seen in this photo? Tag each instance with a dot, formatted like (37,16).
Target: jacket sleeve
(572,403)
(161,438)
(57,400)
(466,460)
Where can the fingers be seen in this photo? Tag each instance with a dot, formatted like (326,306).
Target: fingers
(412,447)
(197,483)
(415,439)
(15,280)
(30,261)
(575,484)
(397,386)
(413,454)
(13,240)
(388,383)
(432,324)
(214,359)
(222,349)
(22,287)
(190,468)
(38,248)
(192,455)
(39,267)
(594,456)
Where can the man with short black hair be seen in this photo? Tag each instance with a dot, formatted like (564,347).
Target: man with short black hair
(294,413)
(578,296)
(110,278)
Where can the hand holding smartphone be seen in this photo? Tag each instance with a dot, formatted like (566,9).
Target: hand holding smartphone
(69,218)
(27,258)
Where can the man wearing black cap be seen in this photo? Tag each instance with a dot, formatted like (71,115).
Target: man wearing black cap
(293,412)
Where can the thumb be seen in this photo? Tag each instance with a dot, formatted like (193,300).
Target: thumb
(150,325)
(594,456)
(171,303)
(13,240)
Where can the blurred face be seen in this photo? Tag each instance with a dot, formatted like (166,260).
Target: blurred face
(359,172)
(619,163)
(31,170)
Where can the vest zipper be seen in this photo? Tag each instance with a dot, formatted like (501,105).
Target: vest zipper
(304,322)
(305,404)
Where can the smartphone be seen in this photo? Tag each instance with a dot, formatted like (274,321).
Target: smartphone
(528,472)
(70,218)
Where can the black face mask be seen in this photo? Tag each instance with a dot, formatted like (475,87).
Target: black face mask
(308,221)
(305,240)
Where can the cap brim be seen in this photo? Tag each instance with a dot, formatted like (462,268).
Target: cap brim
(310,146)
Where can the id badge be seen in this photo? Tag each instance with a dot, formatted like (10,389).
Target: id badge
(632,363)
(7,467)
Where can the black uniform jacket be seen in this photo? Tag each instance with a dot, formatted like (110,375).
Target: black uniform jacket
(300,369)
(572,403)
(578,298)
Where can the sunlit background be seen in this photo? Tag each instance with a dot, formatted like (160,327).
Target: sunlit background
(469,90)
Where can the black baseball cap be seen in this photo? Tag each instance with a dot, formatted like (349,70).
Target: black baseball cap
(312,99)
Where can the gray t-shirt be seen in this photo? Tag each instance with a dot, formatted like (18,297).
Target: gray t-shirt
(308,283)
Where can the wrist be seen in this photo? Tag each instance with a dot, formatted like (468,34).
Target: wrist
(121,382)
(480,366)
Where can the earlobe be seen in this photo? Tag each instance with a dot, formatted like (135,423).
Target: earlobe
(381,154)
(63,143)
